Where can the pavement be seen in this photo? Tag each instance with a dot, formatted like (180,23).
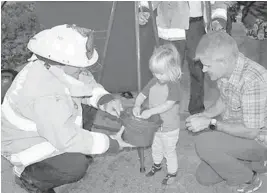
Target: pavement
(120,173)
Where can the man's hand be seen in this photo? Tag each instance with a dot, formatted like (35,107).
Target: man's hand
(262,137)
(120,140)
(188,119)
(143,17)
(146,114)
(197,123)
(216,26)
(113,107)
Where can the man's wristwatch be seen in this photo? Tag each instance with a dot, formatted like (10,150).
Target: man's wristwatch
(213,124)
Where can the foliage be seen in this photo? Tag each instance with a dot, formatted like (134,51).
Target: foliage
(19,24)
(233,11)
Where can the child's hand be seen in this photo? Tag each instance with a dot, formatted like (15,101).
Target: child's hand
(262,137)
(146,114)
(136,111)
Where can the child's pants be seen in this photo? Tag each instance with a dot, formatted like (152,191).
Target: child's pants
(164,145)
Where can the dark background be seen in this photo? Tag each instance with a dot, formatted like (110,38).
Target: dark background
(120,72)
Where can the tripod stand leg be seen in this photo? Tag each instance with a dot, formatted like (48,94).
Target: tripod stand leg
(154,24)
(110,24)
(137,41)
(141,151)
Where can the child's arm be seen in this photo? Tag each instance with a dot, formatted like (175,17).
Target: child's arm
(142,96)
(173,98)
(162,108)
(144,93)
(139,100)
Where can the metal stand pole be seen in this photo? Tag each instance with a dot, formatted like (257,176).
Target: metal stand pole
(137,39)
(141,155)
(110,24)
(140,150)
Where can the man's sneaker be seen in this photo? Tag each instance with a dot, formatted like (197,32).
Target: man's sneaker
(253,186)
(155,168)
(169,179)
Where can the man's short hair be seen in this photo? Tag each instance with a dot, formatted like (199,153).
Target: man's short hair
(217,46)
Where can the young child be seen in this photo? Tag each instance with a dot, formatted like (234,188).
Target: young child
(163,92)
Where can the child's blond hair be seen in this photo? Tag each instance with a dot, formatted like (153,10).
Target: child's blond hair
(166,59)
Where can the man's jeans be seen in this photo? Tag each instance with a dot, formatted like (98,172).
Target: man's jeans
(193,35)
(229,158)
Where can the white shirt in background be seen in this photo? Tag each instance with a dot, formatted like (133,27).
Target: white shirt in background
(195,8)
(175,33)
(179,34)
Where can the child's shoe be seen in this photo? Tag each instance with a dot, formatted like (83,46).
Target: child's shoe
(169,179)
(155,168)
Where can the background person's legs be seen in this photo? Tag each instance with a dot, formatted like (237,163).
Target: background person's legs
(196,101)
(193,35)
(56,171)
(225,155)
(180,46)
